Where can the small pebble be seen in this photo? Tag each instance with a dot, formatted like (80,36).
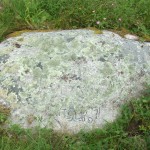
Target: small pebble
(131,37)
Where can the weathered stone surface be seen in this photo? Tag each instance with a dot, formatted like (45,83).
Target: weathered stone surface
(70,80)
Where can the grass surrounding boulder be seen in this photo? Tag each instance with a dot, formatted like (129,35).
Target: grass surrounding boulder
(132,129)
(126,16)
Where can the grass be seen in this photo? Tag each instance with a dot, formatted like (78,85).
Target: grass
(130,131)
(127,16)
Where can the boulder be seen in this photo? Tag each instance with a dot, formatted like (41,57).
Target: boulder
(70,80)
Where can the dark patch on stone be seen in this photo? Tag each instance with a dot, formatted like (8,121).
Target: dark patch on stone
(17,45)
(101,59)
(40,65)
(75,77)
(51,85)
(132,79)
(70,39)
(81,60)
(4,58)
(78,78)
(121,72)
(15,89)
(69,77)
(27,71)
(15,80)
(142,73)
(28,99)
(102,42)
(65,77)
(120,56)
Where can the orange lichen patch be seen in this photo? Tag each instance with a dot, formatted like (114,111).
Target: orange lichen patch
(122,32)
(96,31)
(30,119)
(4,110)
(18,33)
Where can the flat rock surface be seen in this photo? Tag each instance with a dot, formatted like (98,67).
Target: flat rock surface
(70,80)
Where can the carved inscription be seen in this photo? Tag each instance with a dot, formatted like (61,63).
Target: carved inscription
(71,114)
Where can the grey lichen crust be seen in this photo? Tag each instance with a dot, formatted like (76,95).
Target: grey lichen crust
(72,79)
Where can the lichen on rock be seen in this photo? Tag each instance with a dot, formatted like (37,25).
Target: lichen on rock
(73,78)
